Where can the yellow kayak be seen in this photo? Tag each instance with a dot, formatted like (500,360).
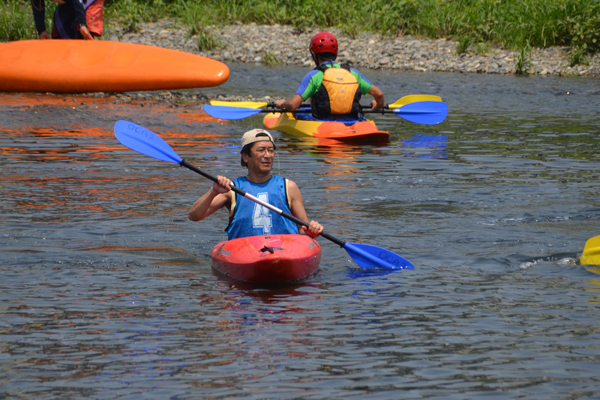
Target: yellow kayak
(365,132)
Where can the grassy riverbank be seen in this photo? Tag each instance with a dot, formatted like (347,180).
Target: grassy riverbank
(511,24)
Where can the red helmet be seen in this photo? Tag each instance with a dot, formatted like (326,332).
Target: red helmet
(324,42)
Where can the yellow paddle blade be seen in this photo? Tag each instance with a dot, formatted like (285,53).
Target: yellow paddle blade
(243,104)
(591,252)
(413,98)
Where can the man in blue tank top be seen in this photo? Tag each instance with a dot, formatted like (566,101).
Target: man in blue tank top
(247,218)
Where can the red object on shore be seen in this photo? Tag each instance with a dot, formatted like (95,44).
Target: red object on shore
(79,66)
(267,259)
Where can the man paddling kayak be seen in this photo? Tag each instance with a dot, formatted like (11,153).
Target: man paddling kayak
(247,218)
(334,90)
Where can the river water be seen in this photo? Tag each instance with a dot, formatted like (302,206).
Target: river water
(107,290)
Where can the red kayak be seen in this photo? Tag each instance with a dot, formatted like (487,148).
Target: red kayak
(267,259)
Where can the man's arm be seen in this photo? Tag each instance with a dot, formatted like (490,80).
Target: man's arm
(305,91)
(39,14)
(298,211)
(290,104)
(379,101)
(218,196)
(81,20)
(85,32)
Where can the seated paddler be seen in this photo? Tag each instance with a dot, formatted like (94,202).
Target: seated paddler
(334,90)
(247,218)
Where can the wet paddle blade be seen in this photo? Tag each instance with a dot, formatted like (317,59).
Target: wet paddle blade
(412,98)
(243,104)
(591,252)
(424,112)
(144,141)
(229,113)
(373,257)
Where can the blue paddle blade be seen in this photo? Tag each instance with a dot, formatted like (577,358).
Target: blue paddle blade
(225,112)
(373,257)
(144,141)
(424,112)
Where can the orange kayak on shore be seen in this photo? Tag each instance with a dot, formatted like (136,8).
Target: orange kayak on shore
(365,132)
(78,66)
(267,259)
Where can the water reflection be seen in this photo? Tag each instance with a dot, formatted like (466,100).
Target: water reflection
(267,292)
(362,273)
(594,289)
(434,145)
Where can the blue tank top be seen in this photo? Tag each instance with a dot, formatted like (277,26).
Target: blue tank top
(252,219)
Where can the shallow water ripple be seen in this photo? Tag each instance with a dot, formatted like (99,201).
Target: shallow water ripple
(107,289)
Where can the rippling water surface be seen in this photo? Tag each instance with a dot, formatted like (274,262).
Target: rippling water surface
(107,291)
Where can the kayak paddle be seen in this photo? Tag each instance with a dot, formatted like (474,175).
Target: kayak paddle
(243,104)
(591,252)
(412,98)
(148,143)
(422,112)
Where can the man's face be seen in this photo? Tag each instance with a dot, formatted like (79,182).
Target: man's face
(261,156)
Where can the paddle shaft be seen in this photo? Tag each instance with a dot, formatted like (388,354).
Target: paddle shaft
(421,112)
(412,98)
(271,108)
(241,192)
(390,106)
(302,110)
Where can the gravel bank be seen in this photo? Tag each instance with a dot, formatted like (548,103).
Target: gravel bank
(255,43)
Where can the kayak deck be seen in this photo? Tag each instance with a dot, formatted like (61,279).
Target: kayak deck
(267,259)
(360,131)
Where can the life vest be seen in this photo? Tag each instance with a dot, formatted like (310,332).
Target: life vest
(94,16)
(339,94)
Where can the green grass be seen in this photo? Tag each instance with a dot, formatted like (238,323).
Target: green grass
(523,62)
(206,40)
(510,24)
(131,13)
(578,57)
(270,59)
(463,44)
(16,21)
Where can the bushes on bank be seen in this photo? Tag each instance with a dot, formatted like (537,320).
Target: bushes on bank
(512,24)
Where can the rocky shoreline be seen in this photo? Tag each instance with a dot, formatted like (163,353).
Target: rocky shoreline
(261,44)
(284,44)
